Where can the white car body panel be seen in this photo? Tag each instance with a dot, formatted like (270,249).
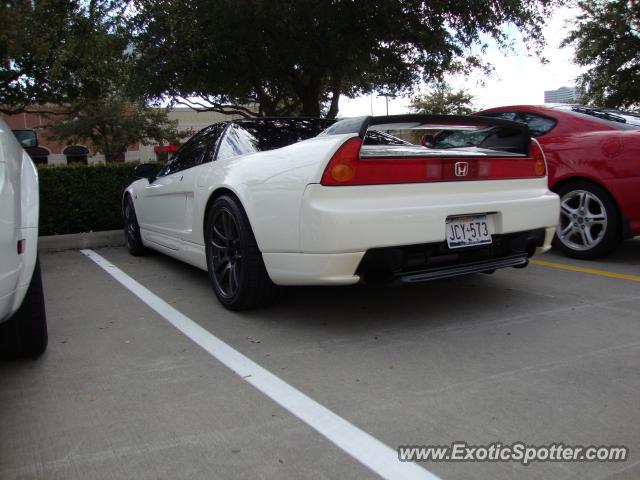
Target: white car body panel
(269,185)
(19,209)
(347,219)
(310,234)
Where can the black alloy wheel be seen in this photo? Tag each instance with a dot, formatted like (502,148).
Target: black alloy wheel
(132,229)
(226,252)
(234,262)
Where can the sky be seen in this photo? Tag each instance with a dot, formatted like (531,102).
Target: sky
(517,78)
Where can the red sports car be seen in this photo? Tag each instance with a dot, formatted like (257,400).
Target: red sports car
(593,156)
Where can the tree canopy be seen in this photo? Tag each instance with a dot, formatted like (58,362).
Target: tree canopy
(113,123)
(607,41)
(443,100)
(280,57)
(59,52)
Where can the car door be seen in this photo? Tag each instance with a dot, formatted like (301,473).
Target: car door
(164,202)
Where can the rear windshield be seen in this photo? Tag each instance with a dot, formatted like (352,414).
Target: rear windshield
(428,139)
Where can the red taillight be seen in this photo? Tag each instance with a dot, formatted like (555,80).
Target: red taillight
(535,152)
(346,167)
(341,167)
(22,243)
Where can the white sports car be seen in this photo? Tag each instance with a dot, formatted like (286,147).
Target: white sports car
(264,202)
(23,322)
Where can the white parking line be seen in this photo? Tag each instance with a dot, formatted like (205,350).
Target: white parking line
(366,449)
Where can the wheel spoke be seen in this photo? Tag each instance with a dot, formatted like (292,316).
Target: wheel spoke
(217,232)
(566,209)
(582,200)
(224,274)
(583,237)
(591,237)
(229,277)
(227,228)
(222,266)
(596,217)
(219,246)
(566,229)
(234,277)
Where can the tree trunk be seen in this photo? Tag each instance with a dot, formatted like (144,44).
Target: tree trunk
(335,99)
(310,98)
(333,108)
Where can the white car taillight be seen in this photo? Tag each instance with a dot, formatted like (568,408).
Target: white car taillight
(347,168)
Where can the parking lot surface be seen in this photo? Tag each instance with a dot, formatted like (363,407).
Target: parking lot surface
(548,354)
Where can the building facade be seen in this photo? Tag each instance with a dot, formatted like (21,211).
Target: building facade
(54,152)
(561,95)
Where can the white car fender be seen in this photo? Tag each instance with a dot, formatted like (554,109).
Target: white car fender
(270,185)
(27,227)
(19,209)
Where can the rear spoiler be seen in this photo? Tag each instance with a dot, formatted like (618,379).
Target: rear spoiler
(502,128)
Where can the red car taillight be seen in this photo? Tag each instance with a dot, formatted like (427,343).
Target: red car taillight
(346,167)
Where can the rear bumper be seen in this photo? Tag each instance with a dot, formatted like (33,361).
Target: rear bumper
(343,228)
(407,264)
(356,219)
(420,263)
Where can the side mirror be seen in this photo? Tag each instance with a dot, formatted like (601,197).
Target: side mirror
(146,170)
(27,138)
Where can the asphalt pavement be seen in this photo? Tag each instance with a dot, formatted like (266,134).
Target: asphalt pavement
(543,355)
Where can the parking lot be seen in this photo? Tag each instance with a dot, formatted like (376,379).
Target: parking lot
(542,355)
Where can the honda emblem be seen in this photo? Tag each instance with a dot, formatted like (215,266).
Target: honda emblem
(461,169)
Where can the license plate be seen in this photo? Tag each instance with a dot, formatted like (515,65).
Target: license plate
(468,230)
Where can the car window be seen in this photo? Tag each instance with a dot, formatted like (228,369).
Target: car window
(460,138)
(538,124)
(198,150)
(237,141)
(251,136)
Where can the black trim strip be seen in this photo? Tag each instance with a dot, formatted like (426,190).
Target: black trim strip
(519,260)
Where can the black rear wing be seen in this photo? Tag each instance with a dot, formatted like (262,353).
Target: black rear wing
(514,136)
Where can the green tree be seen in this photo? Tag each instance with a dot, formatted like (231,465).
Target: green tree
(607,42)
(111,124)
(300,57)
(58,52)
(443,100)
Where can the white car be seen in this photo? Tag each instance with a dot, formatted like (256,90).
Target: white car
(23,323)
(258,203)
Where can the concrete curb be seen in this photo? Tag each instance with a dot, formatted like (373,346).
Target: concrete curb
(76,241)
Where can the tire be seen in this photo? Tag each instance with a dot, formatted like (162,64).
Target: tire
(234,262)
(132,229)
(589,225)
(25,334)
